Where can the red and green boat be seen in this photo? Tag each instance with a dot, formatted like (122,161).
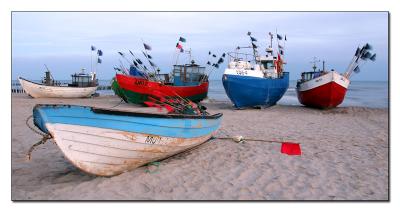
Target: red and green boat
(187,81)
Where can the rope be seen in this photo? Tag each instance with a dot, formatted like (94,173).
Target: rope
(156,164)
(44,139)
(240,139)
(33,129)
(117,104)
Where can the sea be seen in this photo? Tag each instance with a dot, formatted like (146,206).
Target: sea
(372,94)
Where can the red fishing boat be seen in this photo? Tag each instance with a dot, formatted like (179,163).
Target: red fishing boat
(189,82)
(138,84)
(327,89)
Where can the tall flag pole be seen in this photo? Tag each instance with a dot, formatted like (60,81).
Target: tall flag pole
(148,47)
(254,46)
(99,60)
(137,62)
(179,47)
(92,48)
(361,56)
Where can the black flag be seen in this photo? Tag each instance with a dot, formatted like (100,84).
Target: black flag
(357,51)
(368,47)
(152,64)
(356,69)
(373,57)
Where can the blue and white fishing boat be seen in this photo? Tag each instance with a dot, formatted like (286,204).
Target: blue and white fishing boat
(254,79)
(109,142)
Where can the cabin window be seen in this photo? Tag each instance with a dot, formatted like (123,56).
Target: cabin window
(268,64)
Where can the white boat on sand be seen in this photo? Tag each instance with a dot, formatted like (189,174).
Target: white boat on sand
(83,85)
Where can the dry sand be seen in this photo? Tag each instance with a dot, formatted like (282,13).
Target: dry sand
(345,157)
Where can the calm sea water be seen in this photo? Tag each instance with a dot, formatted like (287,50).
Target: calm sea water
(365,94)
(360,93)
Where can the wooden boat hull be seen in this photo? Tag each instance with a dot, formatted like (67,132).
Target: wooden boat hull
(107,143)
(137,90)
(327,91)
(37,90)
(107,152)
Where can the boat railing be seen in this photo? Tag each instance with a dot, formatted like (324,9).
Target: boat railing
(239,56)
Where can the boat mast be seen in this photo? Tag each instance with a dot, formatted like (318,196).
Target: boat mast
(48,77)
(253,46)
(315,60)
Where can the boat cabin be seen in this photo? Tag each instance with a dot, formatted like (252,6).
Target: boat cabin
(83,80)
(48,79)
(188,74)
(306,76)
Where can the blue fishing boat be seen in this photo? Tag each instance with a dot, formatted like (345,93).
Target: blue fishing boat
(109,142)
(254,79)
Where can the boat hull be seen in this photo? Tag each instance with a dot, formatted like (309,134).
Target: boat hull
(137,90)
(106,152)
(326,91)
(246,91)
(117,90)
(107,142)
(37,90)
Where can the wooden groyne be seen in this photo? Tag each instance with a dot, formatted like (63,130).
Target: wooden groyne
(17,89)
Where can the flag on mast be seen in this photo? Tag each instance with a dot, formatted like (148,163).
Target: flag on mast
(178,46)
(181,39)
(147,47)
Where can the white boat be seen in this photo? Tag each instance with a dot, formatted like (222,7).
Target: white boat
(37,90)
(83,85)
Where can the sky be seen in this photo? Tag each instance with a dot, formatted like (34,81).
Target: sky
(62,40)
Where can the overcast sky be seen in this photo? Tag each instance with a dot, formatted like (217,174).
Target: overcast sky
(62,40)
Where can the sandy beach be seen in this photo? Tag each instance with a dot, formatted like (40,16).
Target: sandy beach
(345,157)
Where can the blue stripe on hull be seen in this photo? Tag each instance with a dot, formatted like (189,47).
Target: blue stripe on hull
(84,116)
(246,91)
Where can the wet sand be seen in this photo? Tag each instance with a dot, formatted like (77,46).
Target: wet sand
(345,157)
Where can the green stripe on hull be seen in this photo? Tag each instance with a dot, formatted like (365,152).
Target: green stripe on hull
(137,98)
(117,90)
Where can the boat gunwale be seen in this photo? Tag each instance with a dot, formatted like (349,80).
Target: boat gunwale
(263,78)
(165,85)
(131,113)
(54,85)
